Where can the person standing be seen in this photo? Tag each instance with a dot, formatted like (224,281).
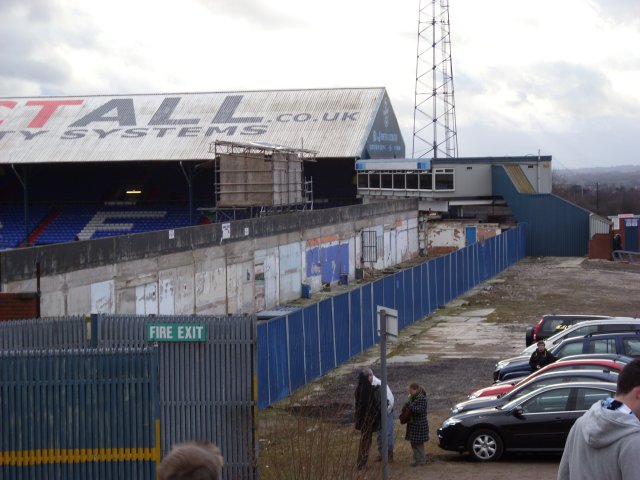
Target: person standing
(376,382)
(417,426)
(367,415)
(541,357)
(604,444)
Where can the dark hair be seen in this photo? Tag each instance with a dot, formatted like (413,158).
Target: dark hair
(540,342)
(629,377)
(199,460)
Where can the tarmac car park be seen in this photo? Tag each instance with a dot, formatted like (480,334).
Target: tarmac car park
(537,422)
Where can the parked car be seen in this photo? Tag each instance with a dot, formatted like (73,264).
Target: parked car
(609,343)
(564,364)
(613,324)
(552,324)
(535,382)
(537,422)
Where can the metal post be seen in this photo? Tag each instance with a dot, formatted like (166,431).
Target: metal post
(383,395)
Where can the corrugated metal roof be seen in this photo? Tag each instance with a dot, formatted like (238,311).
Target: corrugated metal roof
(333,122)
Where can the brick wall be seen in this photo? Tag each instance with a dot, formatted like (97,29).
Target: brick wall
(600,246)
(14,306)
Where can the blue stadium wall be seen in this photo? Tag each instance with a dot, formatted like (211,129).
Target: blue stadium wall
(554,227)
(298,348)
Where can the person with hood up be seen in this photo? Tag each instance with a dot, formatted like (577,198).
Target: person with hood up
(367,415)
(604,444)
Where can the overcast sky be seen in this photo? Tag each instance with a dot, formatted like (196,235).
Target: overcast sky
(561,78)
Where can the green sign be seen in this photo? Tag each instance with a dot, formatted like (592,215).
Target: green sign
(176,332)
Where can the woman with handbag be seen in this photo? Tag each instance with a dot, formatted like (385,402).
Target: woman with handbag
(414,414)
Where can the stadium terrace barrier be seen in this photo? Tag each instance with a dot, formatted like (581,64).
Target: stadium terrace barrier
(295,349)
(205,380)
(81,414)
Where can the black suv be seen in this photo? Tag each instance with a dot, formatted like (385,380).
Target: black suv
(552,324)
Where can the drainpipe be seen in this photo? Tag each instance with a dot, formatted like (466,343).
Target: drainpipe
(538,172)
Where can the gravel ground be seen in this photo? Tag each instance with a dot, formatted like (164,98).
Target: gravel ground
(453,352)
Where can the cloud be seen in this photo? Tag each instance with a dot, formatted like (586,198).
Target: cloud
(36,38)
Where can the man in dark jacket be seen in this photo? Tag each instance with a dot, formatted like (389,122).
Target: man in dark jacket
(367,415)
(541,357)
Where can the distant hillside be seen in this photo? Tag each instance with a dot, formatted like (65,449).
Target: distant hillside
(620,176)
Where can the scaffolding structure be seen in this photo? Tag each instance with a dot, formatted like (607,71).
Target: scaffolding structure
(434,116)
(256,179)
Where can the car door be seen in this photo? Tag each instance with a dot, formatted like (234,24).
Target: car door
(542,423)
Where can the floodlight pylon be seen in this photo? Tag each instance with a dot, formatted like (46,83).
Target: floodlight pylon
(434,115)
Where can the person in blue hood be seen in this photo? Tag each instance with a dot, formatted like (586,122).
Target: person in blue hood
(604,444)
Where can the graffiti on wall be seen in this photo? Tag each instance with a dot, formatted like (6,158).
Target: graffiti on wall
(328,262)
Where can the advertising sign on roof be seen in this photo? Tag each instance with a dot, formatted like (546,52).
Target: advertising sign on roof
(332,122)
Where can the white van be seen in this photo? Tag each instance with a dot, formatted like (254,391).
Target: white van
(615,324)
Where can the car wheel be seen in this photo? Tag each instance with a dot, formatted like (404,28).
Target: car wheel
(485,445)
(528,336)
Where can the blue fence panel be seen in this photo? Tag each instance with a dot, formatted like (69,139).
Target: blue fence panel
(295,340)
(389,292)
(263,365)
(398,284)
(449,273)
(416,274)
(278,359)
(425,304)
(474,273)
(485,260)
(433,286)
(341,327)
(311,343)
(368,337)
(327,352)
(355,322)
(409,314)
(461,270)
(440,280)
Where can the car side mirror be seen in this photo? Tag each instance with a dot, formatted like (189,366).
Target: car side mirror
(518,412)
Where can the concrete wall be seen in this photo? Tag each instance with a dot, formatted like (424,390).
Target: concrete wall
(448,236)
(240,267)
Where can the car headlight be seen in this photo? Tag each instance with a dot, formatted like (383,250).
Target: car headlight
(449,422)
(455,410)
(473,395)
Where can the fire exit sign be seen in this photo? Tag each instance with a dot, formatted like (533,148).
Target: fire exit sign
(176,332)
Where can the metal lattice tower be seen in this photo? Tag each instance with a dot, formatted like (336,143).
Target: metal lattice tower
(434,115)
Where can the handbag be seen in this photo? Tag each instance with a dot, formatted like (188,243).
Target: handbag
(405,414)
